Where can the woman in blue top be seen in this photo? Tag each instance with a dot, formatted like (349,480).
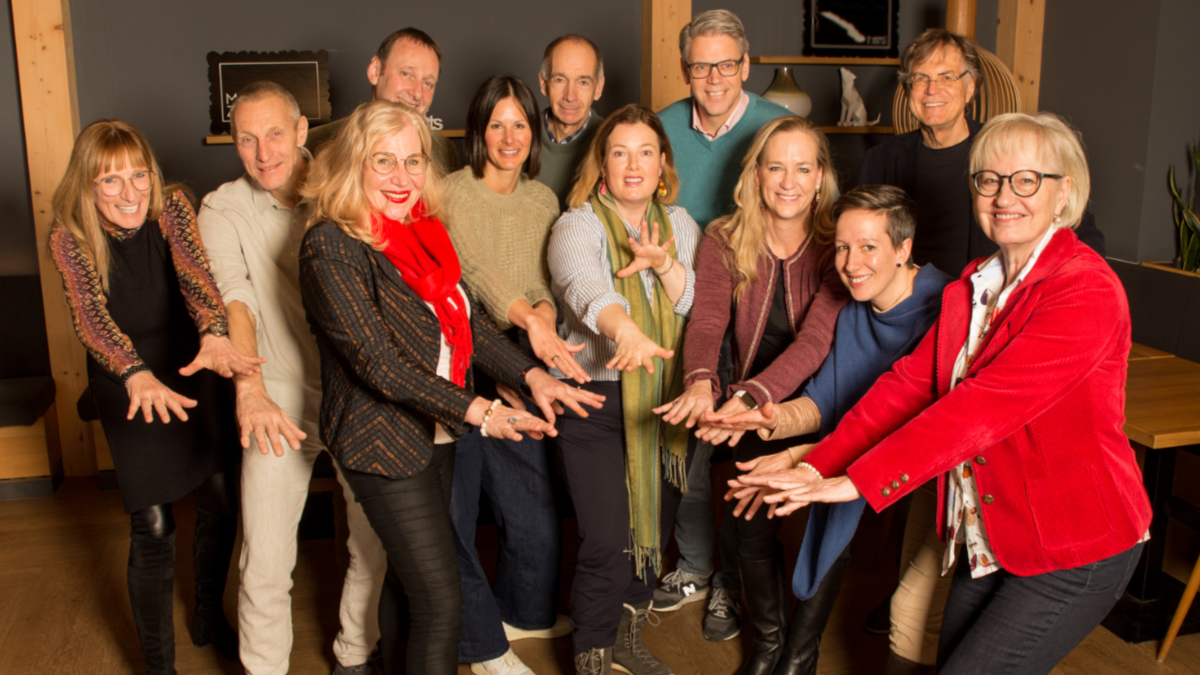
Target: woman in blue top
(896,303)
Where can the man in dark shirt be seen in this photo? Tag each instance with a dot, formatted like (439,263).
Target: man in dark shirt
(941,71)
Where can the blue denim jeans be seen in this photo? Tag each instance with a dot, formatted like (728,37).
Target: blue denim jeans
(516,478)
(1002,623)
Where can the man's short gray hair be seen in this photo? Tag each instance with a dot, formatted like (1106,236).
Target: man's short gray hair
(256,91)
(713,22)
(548,55)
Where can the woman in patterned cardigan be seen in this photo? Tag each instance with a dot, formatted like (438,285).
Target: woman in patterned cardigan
(398,334)
(146,308)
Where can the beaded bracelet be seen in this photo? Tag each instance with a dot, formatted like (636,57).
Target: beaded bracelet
(810,467)
(133,370)
(669,268)
(487,416)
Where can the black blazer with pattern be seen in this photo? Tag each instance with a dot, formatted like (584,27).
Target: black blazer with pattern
(379,345)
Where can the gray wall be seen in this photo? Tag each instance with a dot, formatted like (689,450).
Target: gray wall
(144,60)
(18,250)
(1124,75)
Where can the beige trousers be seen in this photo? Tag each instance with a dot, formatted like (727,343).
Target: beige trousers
(919,601)
(274,490)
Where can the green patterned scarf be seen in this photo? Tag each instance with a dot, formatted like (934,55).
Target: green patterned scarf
(646,435)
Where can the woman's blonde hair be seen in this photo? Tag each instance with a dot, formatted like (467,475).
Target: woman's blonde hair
(334,189)
(745,231)
(587,182)
(1057,144)
(102,146)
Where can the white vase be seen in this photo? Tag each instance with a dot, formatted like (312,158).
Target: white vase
(788,94)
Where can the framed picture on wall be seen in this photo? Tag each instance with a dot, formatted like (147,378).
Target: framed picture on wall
(304,74)
(851,28)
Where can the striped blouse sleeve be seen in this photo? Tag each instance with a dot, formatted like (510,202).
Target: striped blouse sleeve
(200,292)
(89,308)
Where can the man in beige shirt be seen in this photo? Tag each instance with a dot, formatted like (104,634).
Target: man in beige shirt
(405,70)
(252,244)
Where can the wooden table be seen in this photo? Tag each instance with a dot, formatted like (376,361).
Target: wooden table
(1162,416)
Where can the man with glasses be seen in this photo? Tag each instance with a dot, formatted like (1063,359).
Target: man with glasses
(941,72)
(572,78)
(710,132)
(405,69)
(252,245)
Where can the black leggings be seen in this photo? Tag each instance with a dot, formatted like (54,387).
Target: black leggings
(757,538)
(214,496)
(420,607)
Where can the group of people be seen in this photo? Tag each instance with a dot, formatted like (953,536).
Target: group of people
(642,288)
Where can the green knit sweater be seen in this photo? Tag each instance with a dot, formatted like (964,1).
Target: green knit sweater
(709,170)
(561,160)
(501,240)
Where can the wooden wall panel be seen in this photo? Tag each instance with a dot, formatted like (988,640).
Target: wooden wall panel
(662,77)
(45,67)
(1019,46)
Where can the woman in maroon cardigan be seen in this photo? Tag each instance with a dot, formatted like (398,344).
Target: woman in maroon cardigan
(1014,401)
(768,267)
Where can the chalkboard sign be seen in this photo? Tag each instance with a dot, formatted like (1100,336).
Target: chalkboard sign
(304,74)
(851,28)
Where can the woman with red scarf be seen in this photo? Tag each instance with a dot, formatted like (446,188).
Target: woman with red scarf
(398,334)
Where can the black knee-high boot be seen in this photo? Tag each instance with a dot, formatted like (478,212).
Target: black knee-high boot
(809,621)
(151,575)
(763,591)
(216,532)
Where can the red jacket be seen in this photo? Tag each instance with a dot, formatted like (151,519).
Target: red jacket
(1040,414)
(815,295)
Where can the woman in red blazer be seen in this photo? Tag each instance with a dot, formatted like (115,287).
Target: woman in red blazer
(1014,401)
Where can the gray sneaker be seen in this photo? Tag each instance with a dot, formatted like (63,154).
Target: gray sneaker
(594,662)
(724,619)
(630,654)
(680,588)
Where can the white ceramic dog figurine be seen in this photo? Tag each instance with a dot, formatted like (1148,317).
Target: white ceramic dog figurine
(854,111)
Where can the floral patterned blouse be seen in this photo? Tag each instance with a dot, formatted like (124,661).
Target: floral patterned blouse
(85,294)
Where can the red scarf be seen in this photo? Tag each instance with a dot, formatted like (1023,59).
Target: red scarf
(425,257)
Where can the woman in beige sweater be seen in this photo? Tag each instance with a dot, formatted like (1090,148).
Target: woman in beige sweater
(499,219)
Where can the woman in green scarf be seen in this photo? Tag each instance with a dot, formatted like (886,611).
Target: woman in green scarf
(621,265)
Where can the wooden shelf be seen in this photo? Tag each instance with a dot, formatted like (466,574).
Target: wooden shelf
(824,61)
(857,130)
(226,139)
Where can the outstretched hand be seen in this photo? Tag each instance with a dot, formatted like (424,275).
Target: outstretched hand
(635,350)
(792,495)
(220,356)
(148,394)
(648,253)
(693,403)
(551,394)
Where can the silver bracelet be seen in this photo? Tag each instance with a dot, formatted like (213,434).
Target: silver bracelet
(487,416)
(805,465)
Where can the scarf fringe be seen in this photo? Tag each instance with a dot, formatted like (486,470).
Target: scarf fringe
(645,557)
(675,467)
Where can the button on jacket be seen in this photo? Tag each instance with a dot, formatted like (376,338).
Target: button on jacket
(1042,404)
(379,344)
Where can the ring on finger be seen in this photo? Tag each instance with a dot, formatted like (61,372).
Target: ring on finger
(512,420)
(554,358)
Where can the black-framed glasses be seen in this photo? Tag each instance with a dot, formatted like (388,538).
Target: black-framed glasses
(725,68)
(385,162)
(112,186)
(1024,183)
(942,80)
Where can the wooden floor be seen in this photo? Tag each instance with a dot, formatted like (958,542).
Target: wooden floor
(64,607)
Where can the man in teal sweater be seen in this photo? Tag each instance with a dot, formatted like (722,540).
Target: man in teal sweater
(572,78)
(710,132)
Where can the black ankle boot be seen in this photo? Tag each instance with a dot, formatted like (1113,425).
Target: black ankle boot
(215,536)
(763,592)
(808,623)
(151,575)
(898,665)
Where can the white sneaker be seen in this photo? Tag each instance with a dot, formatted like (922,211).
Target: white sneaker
(507,664)
(561,627)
